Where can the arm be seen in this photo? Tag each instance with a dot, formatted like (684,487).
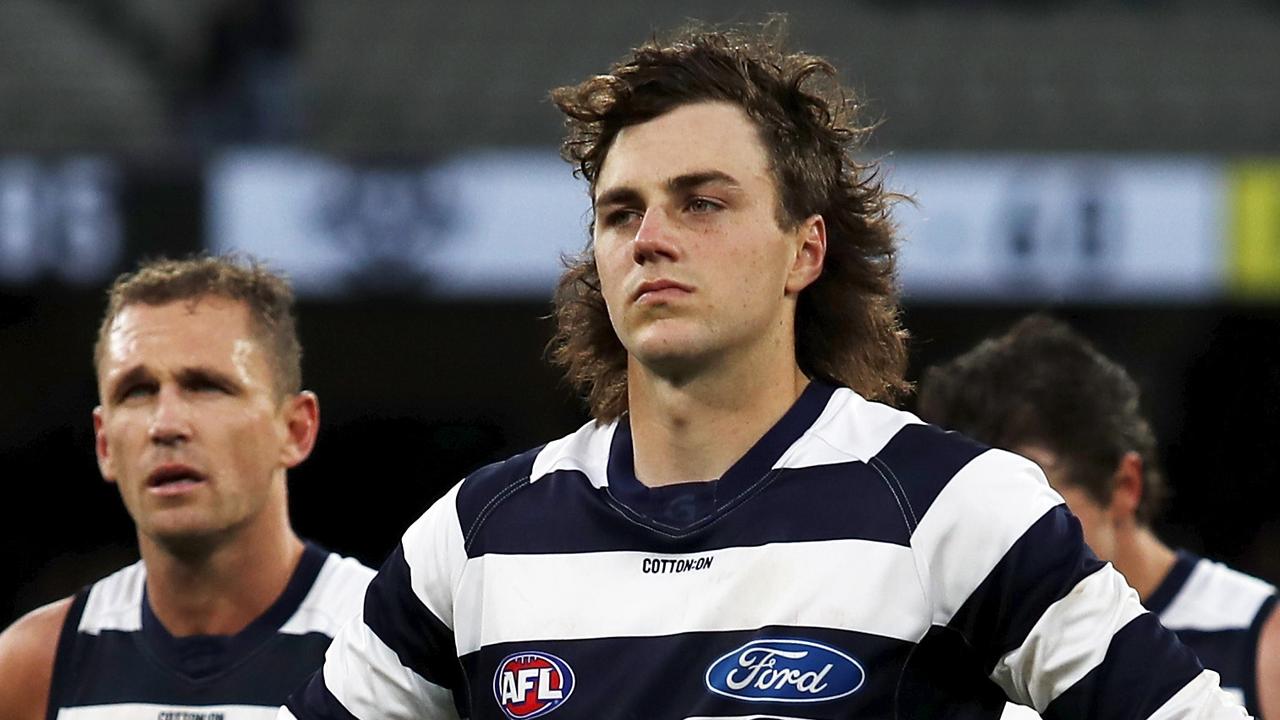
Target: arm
(397,658)
(27,650)
(1005,565)
(1269,665)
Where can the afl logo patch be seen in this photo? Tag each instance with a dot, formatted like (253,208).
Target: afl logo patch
(532,684)
(785,670)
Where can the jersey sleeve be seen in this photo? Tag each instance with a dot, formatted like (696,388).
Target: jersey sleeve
(1005,565)
(396,659)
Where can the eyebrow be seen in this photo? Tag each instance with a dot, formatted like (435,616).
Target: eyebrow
(676,185)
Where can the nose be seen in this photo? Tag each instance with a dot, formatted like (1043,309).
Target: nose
(655,238)
(170,417)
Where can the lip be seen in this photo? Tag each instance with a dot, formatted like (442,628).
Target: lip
(174,479)
(659,290)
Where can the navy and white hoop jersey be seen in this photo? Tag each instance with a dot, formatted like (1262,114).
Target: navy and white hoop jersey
(116,661)
(1218,612)
(853,563)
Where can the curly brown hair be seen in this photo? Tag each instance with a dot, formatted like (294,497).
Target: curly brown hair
(848,330)
(267,295)
(1041,383)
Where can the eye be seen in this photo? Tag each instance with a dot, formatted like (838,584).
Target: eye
(136,390)
(700,205)
(621,217)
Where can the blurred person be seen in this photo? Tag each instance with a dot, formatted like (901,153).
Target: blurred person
(202,414)
(1045,392)
(741,531)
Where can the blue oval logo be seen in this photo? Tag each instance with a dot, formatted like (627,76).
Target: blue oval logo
(784,670)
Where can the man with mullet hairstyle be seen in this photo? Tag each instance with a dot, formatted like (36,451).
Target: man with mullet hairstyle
(202,414)
(733,324)
(1044,391)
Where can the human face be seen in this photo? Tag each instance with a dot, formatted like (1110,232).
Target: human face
(693,265)
(1096,519)
(191,428)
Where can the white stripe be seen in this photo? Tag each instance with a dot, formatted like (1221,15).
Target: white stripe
(856,585)
(367,678)
(115,602)
(586,450)
(334,597)
(153,711)
(974,521)
(850,428)
(1067,641)
(284,714)
(434,551)
(1215,597)
(1018,712)
(1200,698)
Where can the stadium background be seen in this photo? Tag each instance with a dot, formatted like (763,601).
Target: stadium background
(131,128)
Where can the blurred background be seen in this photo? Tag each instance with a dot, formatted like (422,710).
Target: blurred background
(1116,163)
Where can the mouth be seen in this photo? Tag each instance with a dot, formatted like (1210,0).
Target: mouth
(659,290)
(173,477)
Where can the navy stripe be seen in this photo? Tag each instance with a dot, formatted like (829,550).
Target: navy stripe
(490,484)
(394,613)
(921,460)
(315,701)
(1144,666)
(114,667)
(64,674)
(944,679)
(1172,582)
(642,678)
(562,513)
(1227,652)
(1043,566)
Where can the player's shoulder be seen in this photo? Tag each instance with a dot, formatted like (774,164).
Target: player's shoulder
(1204,594)
(335,595)
(27,651)
(583,452)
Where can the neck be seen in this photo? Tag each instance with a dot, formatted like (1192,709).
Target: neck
(219,588)
(1144,560)
(696,429)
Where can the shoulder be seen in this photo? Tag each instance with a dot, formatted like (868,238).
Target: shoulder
(27,650)
(923,465)
(1216,597)
(334,597)
(584,454)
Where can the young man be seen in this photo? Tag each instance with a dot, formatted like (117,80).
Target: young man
(201,415)
(740,532)
(1045,392)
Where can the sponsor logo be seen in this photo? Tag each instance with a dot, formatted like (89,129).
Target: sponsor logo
(532,684)
(189,715)
(785,670)
(657,566)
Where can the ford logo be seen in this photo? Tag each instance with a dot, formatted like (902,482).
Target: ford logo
(773,670)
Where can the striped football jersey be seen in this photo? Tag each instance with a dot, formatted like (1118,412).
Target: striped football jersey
(855,562)
(115,661)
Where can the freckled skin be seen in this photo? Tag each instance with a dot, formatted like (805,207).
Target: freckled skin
(720,238)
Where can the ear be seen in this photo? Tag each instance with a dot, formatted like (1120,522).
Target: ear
(101,448)
(811,253)
(301,415)
(1126,490)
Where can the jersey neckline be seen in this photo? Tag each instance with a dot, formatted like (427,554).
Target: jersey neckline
(202,657)
(688,506)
